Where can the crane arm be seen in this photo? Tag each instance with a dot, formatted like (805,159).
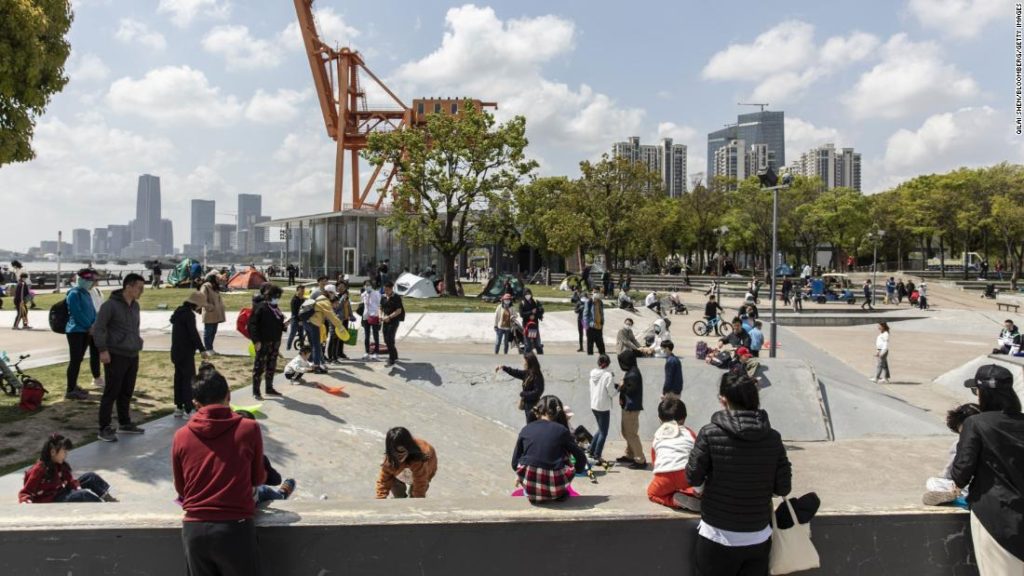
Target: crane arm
(320,57)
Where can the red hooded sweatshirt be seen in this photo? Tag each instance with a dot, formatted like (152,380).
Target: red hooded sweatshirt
(217,460)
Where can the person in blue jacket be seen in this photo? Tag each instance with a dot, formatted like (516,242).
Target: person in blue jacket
(673,371)
(81,316)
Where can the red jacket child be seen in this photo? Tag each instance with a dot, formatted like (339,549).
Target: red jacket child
(40,489)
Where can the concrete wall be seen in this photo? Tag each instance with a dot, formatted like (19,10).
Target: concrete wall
(582,536)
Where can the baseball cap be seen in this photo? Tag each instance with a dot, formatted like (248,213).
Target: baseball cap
(990,376)
(88,274)
(331,289)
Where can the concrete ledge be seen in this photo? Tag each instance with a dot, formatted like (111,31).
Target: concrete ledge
(607,535)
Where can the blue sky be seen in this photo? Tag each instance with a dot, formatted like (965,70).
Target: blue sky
(216,97)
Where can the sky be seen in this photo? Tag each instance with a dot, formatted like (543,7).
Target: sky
(216,96)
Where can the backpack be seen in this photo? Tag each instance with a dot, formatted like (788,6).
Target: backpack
(702,350)
(59,316)
(32,392)
(307,310)
(722,360)
(242,323)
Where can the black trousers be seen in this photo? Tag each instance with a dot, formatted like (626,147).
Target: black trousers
(78,342)
(390,330)
(714,559)
(579,328)
(221,548)
(120,377)
(184,374)
(595,336)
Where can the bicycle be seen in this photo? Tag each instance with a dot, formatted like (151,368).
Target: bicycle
(704,327)
(13,379)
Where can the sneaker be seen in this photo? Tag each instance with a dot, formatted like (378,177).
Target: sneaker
(624,460)
(272,392)
(179,413)
(389,364)
(638,466)
(98,382)
(77,394)
(343,357)
(937,498)
(257,397)
(365,357)
(286,488)
(107,434)
(873,379)
(108,498)
(130,428)
(374,357)
(686,502)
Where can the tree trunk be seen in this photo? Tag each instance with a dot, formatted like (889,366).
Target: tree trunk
(942,256)
(449,273)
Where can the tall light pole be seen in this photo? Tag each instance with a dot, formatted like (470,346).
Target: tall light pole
(721,232)
(875,237)
(769,181)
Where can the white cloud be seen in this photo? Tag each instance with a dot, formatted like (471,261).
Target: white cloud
(330,26)
(88,68)
(240,49)
(802,135)
(129,31)
(183,12)
(785,60)
(967,137)
(485,57)
(910,78)
(174,94)
(278,108)
(958,18)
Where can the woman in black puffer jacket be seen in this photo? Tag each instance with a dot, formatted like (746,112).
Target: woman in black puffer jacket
(739,462)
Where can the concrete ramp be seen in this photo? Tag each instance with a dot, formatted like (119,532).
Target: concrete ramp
(954,379)
(790,390)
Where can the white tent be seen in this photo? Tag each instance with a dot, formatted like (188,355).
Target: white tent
(414,286)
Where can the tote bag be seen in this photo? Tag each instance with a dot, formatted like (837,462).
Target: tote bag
(792,549)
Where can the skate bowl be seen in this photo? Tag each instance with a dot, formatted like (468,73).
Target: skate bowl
(954,379)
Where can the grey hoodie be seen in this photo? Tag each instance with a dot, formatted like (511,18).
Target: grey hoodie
(117,326)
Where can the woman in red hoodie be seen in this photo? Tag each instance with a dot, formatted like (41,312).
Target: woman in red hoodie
(50,479)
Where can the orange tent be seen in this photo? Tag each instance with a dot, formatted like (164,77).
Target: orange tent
(249,279)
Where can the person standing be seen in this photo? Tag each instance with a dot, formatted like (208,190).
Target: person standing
(631,399)
(217,462)
(739,462)
(988,463)
(580,302)
(266,326)
(116,333)
(901,291)
(295,328)
(22,293)
(787,289)
(409,466)
(185,342)
(602,390)
(531,311)
(533,383)
(756,339)
(94,356)
(323,314)
(370,299)
(81,317)
(392,314)
(890,290)
(673,371)
(869,295)
(213,309)
(882,353)
(503,323)
(922,295)
(595,323)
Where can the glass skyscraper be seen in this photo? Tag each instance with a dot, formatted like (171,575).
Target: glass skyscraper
(765,127)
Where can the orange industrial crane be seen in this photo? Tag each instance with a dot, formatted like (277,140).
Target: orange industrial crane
(348,116)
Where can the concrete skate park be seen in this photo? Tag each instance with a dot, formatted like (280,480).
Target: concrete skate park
(865,448)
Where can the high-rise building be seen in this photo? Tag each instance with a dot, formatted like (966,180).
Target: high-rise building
(730,160)
(52,247)
(203,218)
(224,237)
(118,238)
(147,210)
(167,236)
(100,245)
(835,168)
(765,127)
(81,242)
(250,208)
(667,160)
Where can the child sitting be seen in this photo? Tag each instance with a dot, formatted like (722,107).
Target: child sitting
(669,452)
(298,366)
(942,490)
(50,479)
(267,492)
(542,453)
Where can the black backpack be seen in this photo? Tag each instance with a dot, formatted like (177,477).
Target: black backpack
(59,316)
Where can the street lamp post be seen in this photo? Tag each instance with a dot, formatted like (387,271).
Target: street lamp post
(875,237)
(770,181)
(718,283)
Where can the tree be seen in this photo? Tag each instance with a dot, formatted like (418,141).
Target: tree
(703,209)
(456,175)
(842,215)
(33,50)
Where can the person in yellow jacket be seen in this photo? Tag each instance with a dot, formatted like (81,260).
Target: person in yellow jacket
(336,339)
(408,463)
(323,314)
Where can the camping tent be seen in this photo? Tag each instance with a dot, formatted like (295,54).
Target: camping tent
(496,287)
(414,286)
(248,279)
(179,275)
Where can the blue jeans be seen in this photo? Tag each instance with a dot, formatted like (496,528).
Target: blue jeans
(93,488)
(209,333)
(603,418)
(295,330)
(313,332)
(266,493)
(499,335)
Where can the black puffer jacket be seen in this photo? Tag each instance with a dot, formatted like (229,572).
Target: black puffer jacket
(741,462)
(631,393)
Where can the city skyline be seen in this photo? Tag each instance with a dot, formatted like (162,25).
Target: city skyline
(219,101)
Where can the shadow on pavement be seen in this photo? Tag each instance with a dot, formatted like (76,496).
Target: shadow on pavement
(310,409)
(421,371)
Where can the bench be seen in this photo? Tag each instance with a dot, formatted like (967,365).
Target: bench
(1007,305)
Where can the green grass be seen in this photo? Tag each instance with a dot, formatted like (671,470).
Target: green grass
(162,299)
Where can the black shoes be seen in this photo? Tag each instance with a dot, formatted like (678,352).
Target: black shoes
(272,392)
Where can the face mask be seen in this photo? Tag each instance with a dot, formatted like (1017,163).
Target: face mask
(528,297)
(274,301)
(84,284)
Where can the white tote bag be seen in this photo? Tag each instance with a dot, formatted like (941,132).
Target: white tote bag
(792,549)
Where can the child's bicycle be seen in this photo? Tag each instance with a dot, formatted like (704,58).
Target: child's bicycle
(12,379)
(716,325)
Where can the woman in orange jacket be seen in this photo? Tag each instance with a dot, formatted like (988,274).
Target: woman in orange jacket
(407,460)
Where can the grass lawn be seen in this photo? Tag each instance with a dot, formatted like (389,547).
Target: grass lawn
(162,299)
(22,434)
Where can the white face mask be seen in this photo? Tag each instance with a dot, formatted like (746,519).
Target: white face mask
(274,301)
(528,297)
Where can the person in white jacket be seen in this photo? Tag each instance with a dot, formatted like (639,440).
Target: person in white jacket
(670,452)
(882,353)
(370,297)
(298,366)
(602,390)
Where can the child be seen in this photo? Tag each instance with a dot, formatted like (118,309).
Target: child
(266,492)
(50,479)
(542,452)
(942,490)
(408,462)
(185,342)
(669,452)
(602,390)
(298,366)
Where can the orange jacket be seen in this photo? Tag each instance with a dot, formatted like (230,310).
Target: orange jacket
(422,472)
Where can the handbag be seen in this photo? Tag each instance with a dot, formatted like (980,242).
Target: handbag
(373,320)
(792,549)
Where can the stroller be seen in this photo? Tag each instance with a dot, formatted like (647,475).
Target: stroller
(990,291)
(914,297)
(676,305)
(526,337)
